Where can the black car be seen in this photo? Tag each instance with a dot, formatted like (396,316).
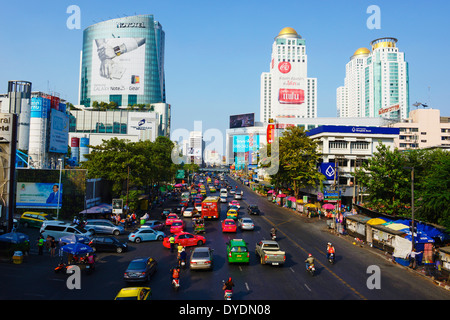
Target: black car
(111,244)
(140,270)
(253,209)
(165,213)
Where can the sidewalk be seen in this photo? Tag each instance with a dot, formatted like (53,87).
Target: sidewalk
(428,272)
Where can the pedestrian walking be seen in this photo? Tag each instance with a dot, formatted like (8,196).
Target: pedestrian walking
(413,258)
(52,246)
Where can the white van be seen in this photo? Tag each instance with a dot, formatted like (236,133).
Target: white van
(58,230)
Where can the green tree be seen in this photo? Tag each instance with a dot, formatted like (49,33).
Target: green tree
(298,159)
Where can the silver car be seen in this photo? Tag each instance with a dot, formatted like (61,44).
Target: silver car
(201,258)
(246,224)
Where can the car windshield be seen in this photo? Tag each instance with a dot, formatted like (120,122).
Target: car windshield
(200,254)
(136,265)
(177,223)
(229,222)
(247,221)
(239,249)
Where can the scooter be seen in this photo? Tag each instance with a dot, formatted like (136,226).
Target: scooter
(61,267)
(311,269)
(228,293)
(331,258)
(176,284)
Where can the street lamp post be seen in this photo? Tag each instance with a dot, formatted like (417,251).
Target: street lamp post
(412,205)
(59,188)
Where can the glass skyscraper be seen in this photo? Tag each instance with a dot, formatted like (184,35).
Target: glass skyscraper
(122,61)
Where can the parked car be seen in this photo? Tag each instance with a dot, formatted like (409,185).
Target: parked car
(201,258)
(107,244)
(140,270)
(34,219)
(188,212)
(253,209)
(154,224)
(185,239)
(59,230)
(145,234)
(237,251)
(103,226)
(134,293)
(246,224)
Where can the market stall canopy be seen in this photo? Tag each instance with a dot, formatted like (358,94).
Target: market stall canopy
(310,205)
(375,221)
(73,238)
(77,248)
(101,208)
(328,206)
(14,237)
(396,226)
(291,199)
(419,238)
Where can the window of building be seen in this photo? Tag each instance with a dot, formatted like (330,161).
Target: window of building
(359,145)
(337,144)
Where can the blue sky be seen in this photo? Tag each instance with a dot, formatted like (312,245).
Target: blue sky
(216,50)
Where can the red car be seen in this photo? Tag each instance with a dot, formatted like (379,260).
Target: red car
(171,217)
(185,239)
(229,225)
(177,226)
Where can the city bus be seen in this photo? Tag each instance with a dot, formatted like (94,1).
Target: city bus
(211,208)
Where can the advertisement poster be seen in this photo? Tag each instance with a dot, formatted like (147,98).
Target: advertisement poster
(290,85)
(118,66)
(242,120)
(38,195)
(59,132)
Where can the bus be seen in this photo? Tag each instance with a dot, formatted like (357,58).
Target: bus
(211,208)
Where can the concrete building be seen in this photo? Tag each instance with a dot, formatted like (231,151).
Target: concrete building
(286,90)
(376,83)
(425,128)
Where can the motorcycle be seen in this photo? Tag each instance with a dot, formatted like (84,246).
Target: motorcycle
(61,267)
(311,269)
(273,236)
(331,258)
(176,284)
(228,293)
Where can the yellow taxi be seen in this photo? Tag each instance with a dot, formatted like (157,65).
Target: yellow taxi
(232,214)
(34,219)
(134,293)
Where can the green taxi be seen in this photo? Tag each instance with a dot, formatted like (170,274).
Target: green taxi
(237,251)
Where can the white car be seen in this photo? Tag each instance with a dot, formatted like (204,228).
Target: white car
(238,196)
(188,212)
(223,199)
(246,224)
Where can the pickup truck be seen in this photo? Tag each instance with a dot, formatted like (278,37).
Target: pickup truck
(270,253)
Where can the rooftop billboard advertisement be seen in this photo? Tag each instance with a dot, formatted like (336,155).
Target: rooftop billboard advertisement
(242,120)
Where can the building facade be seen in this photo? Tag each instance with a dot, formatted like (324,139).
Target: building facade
(286,90)
(122,61)
(376,83)
(425,128)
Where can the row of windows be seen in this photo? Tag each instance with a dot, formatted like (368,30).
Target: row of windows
(340,144)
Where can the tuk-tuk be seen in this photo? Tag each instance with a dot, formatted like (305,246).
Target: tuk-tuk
(198,223)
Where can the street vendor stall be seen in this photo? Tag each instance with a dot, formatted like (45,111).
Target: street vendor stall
(383,237)
(356,226)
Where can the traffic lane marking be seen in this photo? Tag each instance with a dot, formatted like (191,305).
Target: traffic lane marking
(318,262)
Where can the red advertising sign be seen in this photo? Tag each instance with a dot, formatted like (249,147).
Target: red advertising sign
(291,96)
(390,109)
(284,67)
(270,133)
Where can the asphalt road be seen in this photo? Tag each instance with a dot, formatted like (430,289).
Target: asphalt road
(345,280)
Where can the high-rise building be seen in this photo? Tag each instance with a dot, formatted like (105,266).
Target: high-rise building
(196,147)
(286,91)
(122,61)
(376,83)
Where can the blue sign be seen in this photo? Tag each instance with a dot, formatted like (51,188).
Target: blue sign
(353,129)
(328,170)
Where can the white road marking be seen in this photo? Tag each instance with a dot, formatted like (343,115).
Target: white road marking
(291,269)
(307,287)
(246,285)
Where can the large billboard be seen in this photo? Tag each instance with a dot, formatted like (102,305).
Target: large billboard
(38,195)
(118,66)
(290,82)
(242,120)
(59,132)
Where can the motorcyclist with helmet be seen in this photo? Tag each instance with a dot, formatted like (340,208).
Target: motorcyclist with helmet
(330,250)
(228,286)
(309,261)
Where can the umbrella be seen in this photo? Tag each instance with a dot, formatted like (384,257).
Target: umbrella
(281,195)
(270,191)
(14,237)
(328,206)
(73,238)
(178,185)
(376,221)
(310,205)
(77,248)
